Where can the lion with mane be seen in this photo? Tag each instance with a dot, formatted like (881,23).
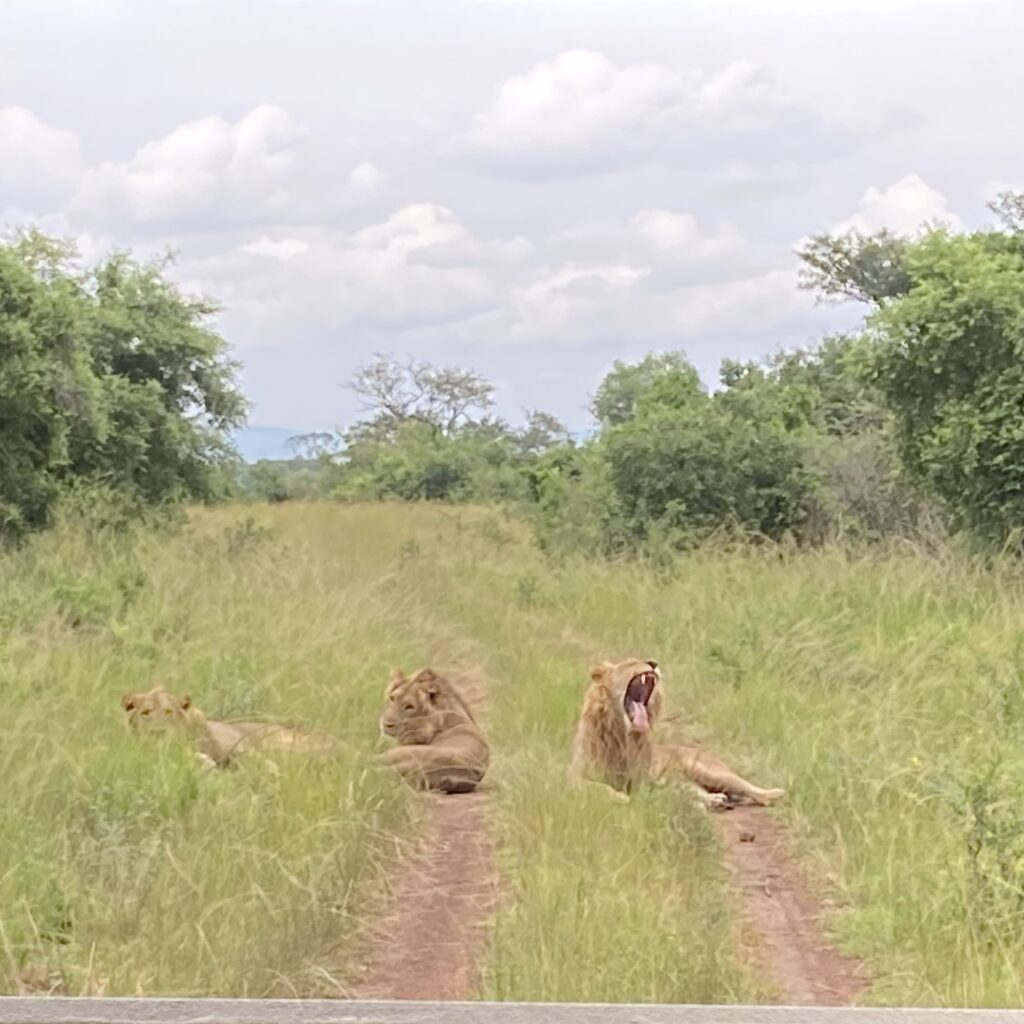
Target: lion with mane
(613,746)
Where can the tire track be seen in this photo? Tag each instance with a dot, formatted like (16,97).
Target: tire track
(430,943)
(782,918)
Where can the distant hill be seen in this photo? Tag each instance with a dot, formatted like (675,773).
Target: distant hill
(257,443)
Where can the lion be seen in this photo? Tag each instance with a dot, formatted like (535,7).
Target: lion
(439,745)
(613,745)
(220,743)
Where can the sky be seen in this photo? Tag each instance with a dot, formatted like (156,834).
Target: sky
(532,189)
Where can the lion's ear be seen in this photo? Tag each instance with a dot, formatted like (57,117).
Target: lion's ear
(427,677)
(599,671)
(128,701)
(185,702)
(431,684)
(397,676)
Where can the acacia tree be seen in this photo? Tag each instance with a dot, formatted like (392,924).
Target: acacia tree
(866,268)
(440,397)
(429,436)
(1009,210)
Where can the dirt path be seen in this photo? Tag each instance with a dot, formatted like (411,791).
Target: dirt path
(430,944)
(782,919)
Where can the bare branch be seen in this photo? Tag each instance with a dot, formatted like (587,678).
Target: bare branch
(441,397)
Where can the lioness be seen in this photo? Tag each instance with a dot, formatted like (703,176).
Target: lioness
(613,745)
(219,743)
(440,746)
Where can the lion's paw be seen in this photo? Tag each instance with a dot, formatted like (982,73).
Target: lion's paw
(716,801)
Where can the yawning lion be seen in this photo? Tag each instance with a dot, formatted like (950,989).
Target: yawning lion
(614,747)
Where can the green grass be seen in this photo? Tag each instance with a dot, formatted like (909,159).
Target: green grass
(124,868)
(886,692)
(606,902)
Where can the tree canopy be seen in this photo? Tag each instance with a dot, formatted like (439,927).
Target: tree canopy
(110,378)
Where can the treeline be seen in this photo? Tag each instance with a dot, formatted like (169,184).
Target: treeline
(912,424)
(116,395)
(115,390)
(799,445)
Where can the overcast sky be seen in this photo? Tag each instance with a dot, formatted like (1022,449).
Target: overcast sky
(531,189)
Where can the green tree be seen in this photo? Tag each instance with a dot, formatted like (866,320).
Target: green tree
(429,437)
(687,471)
(866,268)
(667,378)
(828,388)
(109,377)
(170,397)
(950,363)
(47,387)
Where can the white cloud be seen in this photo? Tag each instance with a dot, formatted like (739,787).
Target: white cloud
(577,108)
(765,300)
(364,177)
(673,245)
(570,302)
(664,229)
(741,98)
(207,168)
(413,227)
(903,207)
(421,275)
(580,113)
(372,278)
(39,165)
(276,248)
(681,236)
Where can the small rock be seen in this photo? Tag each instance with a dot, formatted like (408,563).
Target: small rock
(746,837)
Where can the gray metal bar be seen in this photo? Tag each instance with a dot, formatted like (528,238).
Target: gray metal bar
(62,1010)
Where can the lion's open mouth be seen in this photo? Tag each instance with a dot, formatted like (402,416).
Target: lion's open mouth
(638,693)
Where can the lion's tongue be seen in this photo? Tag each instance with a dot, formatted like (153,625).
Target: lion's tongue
(638,716)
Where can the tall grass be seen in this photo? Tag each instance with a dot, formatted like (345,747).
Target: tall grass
(886,692)
(123,867)
(605,902)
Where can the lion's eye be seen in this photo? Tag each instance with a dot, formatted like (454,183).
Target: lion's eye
(410,707)
(146,711)
(167,711)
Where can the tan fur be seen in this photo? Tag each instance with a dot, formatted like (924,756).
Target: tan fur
(608,752)
(439,745)
(219,743)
